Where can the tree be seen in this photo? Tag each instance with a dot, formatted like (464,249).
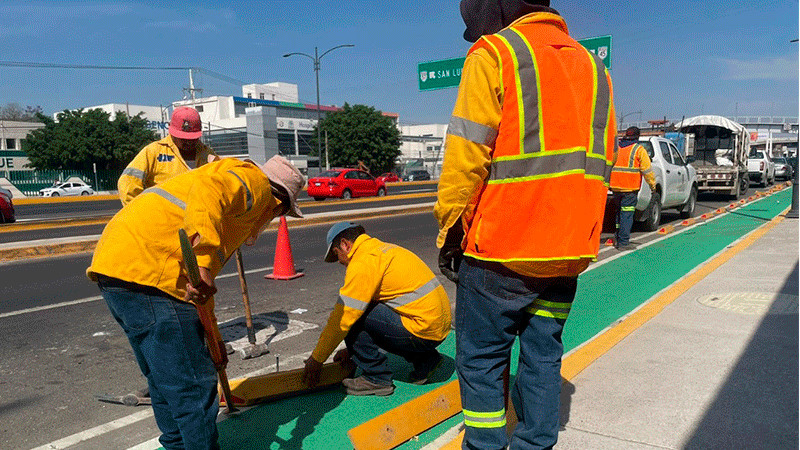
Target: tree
(14,111)
(78,139)
(359,133)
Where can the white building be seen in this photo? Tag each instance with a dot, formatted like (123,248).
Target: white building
(423,145)
(12,133)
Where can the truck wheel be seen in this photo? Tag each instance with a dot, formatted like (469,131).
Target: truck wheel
(653,220)
(687,210)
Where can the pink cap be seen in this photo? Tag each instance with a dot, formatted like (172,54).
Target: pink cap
(185,123)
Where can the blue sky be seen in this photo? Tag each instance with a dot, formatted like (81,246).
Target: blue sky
(669,58)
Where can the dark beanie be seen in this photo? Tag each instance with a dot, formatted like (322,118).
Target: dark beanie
(490,16)
(632,133)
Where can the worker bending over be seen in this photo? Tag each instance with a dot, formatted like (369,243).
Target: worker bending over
(138,266)
(390,300)
(159,161)
(632,164)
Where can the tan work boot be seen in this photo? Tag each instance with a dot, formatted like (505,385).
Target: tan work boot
(362,386)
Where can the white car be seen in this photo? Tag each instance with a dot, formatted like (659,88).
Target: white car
(67,188)
(760,167)
(676,183)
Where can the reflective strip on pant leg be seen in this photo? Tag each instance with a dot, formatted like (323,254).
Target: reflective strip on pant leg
(629,208)
(544,308)
(493,419)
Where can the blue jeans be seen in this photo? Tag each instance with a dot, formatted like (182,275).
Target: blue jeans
(493,306)
(378,328)
(625,206)
(168,341)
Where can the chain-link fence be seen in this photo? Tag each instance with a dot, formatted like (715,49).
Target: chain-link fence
(29,182)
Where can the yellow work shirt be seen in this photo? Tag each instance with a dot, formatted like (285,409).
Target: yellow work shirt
(226,202)
(154,164)
(386,273)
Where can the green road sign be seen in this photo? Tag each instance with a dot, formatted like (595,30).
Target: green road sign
(600,46)
(440,74)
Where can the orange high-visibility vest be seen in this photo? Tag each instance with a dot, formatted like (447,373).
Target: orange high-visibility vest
(545,194)
(626,176)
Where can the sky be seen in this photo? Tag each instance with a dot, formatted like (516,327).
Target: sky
(670,58)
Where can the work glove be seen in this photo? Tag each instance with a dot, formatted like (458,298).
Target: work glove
(451,253)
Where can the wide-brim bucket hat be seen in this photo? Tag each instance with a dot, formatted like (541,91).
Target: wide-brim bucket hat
(283,173)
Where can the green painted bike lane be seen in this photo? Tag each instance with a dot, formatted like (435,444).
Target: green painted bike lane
(606,294)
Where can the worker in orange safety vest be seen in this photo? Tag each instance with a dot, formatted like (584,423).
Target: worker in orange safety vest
(632,165)
(529,151)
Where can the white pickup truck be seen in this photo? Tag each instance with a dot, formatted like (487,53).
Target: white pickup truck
(760,167)
(676,183)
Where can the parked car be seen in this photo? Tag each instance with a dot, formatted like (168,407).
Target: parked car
(389,177)
(345,183)
(676,184)
(68,188)
(783,169)
(6,207)
(416,175)
(760,168)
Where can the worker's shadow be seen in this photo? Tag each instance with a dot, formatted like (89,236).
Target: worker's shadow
(266,326)
(402,369)
(567,389)
(284,424)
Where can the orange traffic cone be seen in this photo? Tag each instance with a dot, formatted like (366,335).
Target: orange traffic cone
(283,268)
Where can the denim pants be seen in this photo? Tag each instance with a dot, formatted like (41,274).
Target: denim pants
(493,306)
(625,206)
(167,338)
(378,328)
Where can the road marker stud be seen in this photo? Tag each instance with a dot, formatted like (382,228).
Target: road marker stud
(719,211)
(707,215)
(732,206)
(688,221)
(666,229)
(610,242)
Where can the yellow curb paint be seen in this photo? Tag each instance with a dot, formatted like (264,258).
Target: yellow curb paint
(54,224)
(579,360)
(74,199)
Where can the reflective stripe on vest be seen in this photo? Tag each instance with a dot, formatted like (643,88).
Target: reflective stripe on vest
(493,419)
(544,308)
(352,303)
(532,162)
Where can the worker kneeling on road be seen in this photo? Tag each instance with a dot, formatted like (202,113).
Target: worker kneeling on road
(626,180)
(390,300)
(138,266)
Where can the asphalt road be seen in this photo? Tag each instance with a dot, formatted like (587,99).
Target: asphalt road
(60,346)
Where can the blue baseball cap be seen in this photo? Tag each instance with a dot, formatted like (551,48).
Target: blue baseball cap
(337,228)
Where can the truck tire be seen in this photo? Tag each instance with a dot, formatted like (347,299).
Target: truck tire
(653,220)
(687,210)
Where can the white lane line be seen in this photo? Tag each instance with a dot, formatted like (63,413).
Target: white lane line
(53,306)
(99,297)
(96,431)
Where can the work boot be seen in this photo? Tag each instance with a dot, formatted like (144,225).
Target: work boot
(420,376)
(362,386)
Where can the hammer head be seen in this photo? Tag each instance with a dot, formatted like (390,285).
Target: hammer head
(254,351)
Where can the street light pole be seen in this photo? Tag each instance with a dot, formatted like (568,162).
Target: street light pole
(316,59)
(622,117)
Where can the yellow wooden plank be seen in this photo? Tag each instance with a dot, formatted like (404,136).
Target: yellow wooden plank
(400,424)
(276,385)
(455,444)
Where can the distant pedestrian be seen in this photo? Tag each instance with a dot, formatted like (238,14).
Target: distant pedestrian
(520,206)
(139,269)
(632,164)
(390,301)
(177,153)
